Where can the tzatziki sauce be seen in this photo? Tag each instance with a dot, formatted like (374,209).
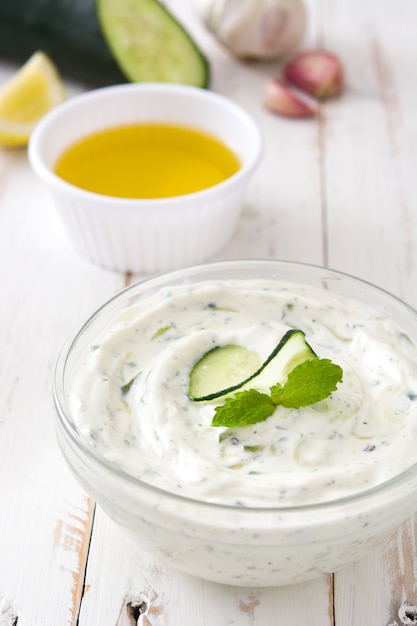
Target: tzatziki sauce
(129,396)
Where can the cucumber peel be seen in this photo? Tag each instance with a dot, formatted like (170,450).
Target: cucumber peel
(150,45)
(221,365)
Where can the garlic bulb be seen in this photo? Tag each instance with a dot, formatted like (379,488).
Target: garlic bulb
(255,28)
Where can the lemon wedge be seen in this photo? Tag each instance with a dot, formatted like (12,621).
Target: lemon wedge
(33,91)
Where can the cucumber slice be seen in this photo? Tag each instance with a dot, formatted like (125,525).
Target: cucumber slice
(292,350)
(149,44)
(222,365)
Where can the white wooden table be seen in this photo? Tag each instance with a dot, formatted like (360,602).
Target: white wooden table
(338,191)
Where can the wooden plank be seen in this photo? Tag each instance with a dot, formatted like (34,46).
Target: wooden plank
(400,557)
(45,518)
(369,185)
(371,204)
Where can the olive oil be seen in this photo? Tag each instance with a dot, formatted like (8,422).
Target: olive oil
(147,161)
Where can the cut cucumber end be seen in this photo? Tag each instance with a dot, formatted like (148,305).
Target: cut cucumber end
(150,45)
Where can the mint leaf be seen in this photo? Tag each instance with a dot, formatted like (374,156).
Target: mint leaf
(245,408)
(308,383)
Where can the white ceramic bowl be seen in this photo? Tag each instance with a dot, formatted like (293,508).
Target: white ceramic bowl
(242,545)
(147,236)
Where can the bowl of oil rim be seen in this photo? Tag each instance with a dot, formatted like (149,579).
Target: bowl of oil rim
(147,177)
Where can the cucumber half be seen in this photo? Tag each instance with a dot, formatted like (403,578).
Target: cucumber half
(225,364)
(149,44)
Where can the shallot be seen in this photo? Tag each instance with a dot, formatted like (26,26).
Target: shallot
(317,72)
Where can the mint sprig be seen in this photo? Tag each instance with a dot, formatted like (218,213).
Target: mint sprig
(308,383)
(246,407)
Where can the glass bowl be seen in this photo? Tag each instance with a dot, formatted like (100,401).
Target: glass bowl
(265,544)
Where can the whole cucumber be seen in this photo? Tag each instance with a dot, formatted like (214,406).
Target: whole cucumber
(136,40)
(67,30)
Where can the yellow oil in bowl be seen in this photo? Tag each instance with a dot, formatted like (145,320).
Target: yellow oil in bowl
(147,161)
